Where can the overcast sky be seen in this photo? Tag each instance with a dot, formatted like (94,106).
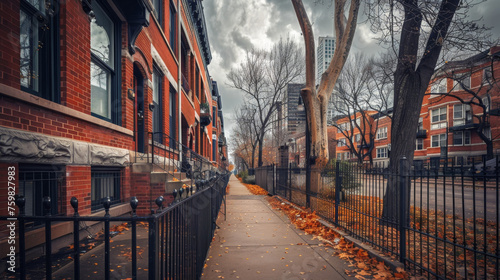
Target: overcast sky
(237,25)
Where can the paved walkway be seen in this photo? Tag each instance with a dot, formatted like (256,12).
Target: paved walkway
(257,242)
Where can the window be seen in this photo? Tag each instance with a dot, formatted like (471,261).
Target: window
(487,132)
(37,181)
(105,182)
(105,66)
(341,142)
(487,76)
(172,113)
(357,138)
(486,103)
(39,49)
(158,11)
(438,118)
(461,114)
(420,124)
(158,104)
(438,140)
(197,77)
(382,133)
(461,138)
(439,86)
(419,145)
(382,152)
(171,27)
(460,81)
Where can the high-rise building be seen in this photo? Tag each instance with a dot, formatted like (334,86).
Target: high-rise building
(324,54)
(296,119)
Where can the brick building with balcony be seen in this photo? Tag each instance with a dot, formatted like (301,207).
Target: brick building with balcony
(95,94)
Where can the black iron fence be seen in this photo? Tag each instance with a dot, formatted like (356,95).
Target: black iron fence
(178,237)
(440,220)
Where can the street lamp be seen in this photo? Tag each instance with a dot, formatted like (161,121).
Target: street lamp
(301,108)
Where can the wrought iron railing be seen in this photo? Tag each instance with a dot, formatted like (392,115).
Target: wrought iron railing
(178,237)
(448,216)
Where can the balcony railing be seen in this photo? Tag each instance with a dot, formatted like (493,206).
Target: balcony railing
(421,133)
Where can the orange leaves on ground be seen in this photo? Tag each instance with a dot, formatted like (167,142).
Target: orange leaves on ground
(227,188)
(254,189)
(363,264)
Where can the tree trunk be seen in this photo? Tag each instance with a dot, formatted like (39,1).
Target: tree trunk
(403,130)
(261,145)
(315,102)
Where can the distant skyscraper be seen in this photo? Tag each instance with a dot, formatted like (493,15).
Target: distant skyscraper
(296,119)
(324,54)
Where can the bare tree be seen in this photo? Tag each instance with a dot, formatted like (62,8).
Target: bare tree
(418,31)
(316,100)
(245,135)
(263,77)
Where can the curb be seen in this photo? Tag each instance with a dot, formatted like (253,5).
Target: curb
(357,243)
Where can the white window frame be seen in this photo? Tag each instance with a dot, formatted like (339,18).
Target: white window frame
(382,133)
(382,152)
(466,77)
(421,140)
(440,123)
(441,138)
(465,138)
(439,86)
(464,112)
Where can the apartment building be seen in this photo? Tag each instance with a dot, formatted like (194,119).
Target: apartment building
(459,118)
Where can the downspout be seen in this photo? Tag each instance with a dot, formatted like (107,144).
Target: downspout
(179,77)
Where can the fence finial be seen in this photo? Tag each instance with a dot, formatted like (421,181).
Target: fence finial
(106,202)
(134,202)
(174,194)
(74,203)
(46,204)
(21,202)
(159,201)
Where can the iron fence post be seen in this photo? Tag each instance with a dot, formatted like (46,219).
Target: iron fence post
(48,238)
(403,201)
(152,263)
(76,238)
(20,202)
(337,191)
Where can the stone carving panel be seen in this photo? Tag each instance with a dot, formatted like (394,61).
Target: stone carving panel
(102,155)
(16,145)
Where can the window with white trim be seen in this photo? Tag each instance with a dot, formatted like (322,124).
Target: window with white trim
(357,138)
(438,140)
(419,144)
(438,118)
(461,114)
(382,132)
(486,103)
(341,142)
(460,79)
(382,152)
(439,86)
(461,138)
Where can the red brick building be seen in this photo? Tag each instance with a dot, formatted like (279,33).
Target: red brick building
(87,87)
(459,114)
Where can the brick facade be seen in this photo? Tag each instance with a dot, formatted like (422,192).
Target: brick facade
(66,131)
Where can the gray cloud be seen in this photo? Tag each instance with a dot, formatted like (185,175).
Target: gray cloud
(237,25)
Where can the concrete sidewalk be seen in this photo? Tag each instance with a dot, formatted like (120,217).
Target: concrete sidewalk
(257,242)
